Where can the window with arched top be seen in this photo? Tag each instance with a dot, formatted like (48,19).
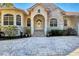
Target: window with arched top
(53,22)
(28,22)
(18,20)
(8,19)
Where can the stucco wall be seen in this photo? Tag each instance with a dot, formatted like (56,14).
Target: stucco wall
(71,21)
(13,12)
(54,13)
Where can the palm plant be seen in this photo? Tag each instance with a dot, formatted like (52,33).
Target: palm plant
(6,5)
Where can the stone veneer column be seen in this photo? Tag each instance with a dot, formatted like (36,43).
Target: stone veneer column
(45,30)
(32,26)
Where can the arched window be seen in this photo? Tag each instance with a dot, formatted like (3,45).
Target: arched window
(53,22)
(18,20)
(65,22)
(28,22)
(8,19)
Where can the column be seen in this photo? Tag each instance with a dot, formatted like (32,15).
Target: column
(22,20)
(2,20)
(77,25)
(15,19)
(32,27)
(45,25)
(61,22)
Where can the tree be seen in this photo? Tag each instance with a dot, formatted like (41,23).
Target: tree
(6,5)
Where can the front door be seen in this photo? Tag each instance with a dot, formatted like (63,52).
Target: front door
(38,24)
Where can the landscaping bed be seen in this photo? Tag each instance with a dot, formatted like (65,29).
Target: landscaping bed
(11,37)
(67,32)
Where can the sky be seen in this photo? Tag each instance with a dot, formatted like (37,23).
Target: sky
(71,7)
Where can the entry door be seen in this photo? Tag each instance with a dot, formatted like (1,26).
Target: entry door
(38,25)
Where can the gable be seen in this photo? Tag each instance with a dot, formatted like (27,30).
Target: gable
(46,6)
(37,6)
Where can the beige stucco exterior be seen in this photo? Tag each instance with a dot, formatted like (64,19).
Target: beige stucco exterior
(13,12)
(47,13)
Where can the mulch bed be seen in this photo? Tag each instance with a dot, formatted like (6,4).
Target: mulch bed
(12,37)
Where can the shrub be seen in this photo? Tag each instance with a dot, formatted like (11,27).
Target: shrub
(10,30)
(70,32)
(55,33)
(2,34)
(0,28)
(28,32)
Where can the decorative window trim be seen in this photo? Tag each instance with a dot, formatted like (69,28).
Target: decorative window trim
(8,19)
(53,22)
(28,22)
(18,20)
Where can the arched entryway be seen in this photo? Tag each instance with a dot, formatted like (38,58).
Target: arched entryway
(39,24)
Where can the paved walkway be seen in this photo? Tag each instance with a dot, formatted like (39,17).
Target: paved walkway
(74,53)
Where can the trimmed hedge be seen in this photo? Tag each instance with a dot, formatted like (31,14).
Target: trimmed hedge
(11,37)
(67,32)
(55,33)
(70,32)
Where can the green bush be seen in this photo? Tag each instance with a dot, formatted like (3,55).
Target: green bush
(28,31)
(10,30)
(55,33)
(70,32)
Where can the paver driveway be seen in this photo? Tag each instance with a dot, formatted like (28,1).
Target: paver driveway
(43,46)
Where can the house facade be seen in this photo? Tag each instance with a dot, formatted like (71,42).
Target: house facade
(40,18)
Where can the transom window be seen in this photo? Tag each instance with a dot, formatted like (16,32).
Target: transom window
(8,19)
(53,22)
(28,22)
(18,20)
(65,22)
